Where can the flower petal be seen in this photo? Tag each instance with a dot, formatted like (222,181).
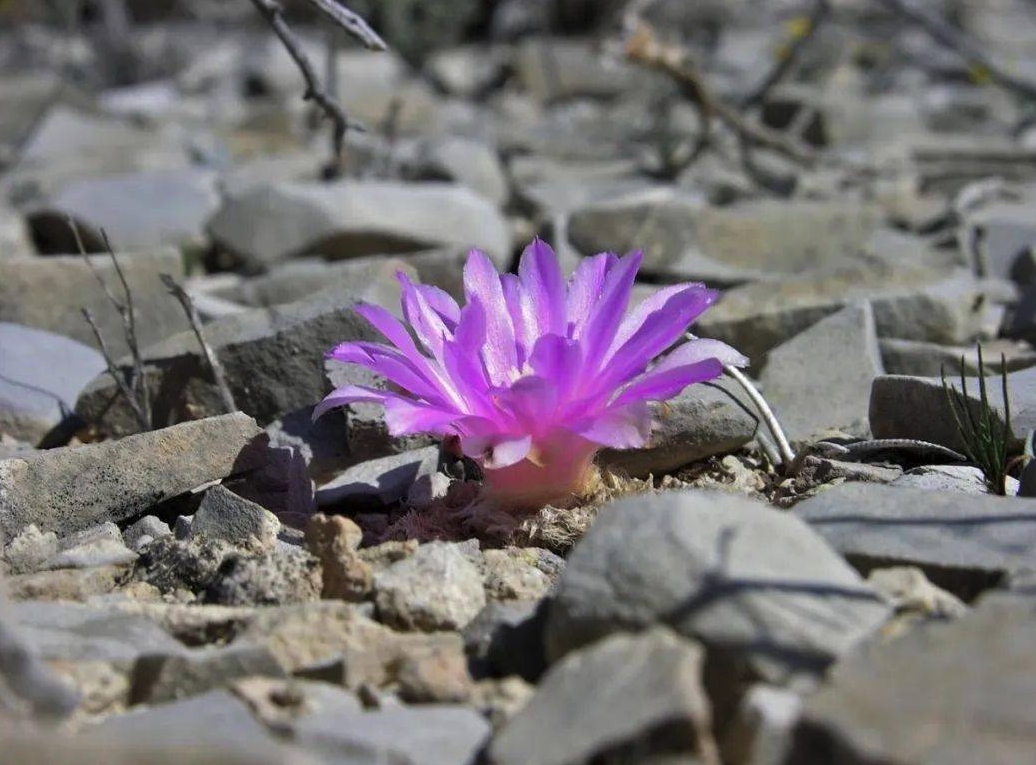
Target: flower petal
(482,281)
(404,417)
(496,454)
(391,364)
(558,359)
(349,394)
(441,302)
(697,350)
(529,403)
(524,334)
(623,427)
(543,289)
(584,290)
(635,319)
(661,385)
(606,313)
(427,323)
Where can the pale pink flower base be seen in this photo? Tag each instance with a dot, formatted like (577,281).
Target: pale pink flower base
(555,476)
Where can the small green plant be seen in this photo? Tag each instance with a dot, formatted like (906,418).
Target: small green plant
(985,437)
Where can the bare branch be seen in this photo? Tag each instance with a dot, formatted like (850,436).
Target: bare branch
(142,416)
(273,12)
(821,9)
(950,37)
(211,358)
(787,455)
(351,23)
(643,47)
(137,391)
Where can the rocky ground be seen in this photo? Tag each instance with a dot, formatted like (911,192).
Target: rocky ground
(250,587)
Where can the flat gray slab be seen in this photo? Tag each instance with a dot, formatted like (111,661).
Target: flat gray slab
(963,542)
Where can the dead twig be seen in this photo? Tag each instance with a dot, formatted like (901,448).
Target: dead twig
(767,415)
(643,47)
(953,38)
(218,374)
(273,12)
(136,390)
(790,56)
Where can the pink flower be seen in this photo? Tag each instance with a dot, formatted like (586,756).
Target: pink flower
(534,375)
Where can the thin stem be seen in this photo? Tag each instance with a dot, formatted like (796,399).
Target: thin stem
(787,455)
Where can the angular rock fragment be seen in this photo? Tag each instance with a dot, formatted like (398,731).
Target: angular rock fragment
(378,483)
(754,585)
(72,488)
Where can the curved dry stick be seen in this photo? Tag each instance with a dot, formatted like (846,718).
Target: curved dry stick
(787,455)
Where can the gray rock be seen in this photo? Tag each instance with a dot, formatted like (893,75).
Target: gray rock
(273,358)
(515,573)
(438,587)
(465,71)
(77,633)
(684,237)
(322,443)
(910,303)
(699,423)
(435,734)
(626,691)
(188,564)
(466,162)
(182,526)
(917,407)
(224,515)
(964,543)
(45,293)
(298,279)
(1005,235)
(506,638)
(914,357)
(964,478)
(150,526)
(161,678)
(816,470)
(878,701)
(753,584)
(282,486)
(821,379)
(141,210)
(73,488)
(349,219)
(288,575)
(102,532)
(378,483)
(213,719)
(43,375)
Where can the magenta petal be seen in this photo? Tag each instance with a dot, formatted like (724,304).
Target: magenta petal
(463,361)
(524,333)
(606,314)
(496,454)
(427,323)
(441,302)
(584,290)
(543,288)
(697,350)
(659,386)
(658,331)
(482,282)
(635,319)
(405,417)
(529,403)
(390,364)
(624,427)
(349,394)
(559,359)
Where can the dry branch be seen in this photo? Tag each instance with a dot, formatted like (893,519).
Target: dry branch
(950,37)
(211,358)
(643,47)
(136,391)
(273,12)
(821,9)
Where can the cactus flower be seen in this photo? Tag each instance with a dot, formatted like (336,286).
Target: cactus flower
(534,374)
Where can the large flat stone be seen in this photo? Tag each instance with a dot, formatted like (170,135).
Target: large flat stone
(47,293)
(902,406)
(953,694)
(73,488)
(963,542)
(747,581)
(350,219)
(821,379)
(910,303)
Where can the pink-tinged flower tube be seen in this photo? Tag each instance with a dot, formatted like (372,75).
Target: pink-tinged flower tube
(534,374)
